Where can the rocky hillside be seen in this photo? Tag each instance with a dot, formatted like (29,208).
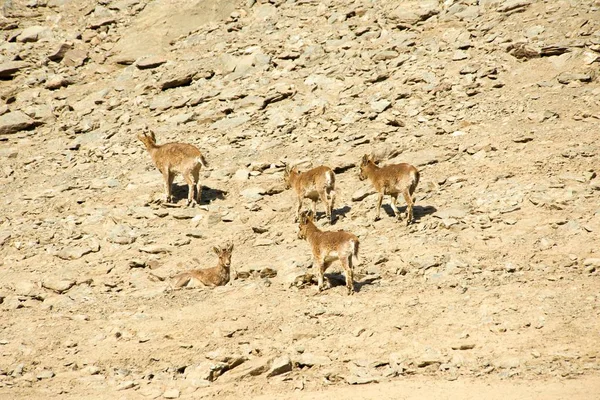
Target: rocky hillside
(497,102)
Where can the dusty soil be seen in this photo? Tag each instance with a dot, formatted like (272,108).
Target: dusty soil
(493,292)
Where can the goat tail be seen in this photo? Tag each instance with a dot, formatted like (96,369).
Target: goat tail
(330,179)
(329,186)
(415,176)
(355,246)
(202,161)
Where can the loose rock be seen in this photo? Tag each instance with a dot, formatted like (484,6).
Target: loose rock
(16,121)
(280,366)
(8,69)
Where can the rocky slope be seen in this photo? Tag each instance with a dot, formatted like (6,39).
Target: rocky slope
(496,102)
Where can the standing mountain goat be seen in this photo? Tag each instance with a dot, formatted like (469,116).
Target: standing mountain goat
(391,179)
(176,158)
(317,183)
(328,247)
(215,276)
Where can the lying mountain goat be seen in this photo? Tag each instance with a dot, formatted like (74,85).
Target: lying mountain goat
(328,247)
(215,276)
(317,183)
(176,158)
(391,179)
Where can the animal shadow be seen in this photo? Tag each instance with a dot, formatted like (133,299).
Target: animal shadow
(211,194)
(418,211)
(180,191)
(365,281)
(335,213)
(421,211)
(340,212)
(338,279)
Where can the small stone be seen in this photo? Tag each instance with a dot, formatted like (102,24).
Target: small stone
(176,79)
(459,55)
(196,234)
(171,394)
(590,57)
(380,106)
(250,368)
(18,370)
(124,59)
(92,370)
(102,21)
(154,249)
(200,371)
(309,360)
(385,55)
(75,58)
(568,77)
(463,346)
(429,357)
(592,262)
(263,242)
(425,262)
(121,234)
(540,323)
(253,193)
(241,175)
(523,139)
(212,218)
(58,286)
(280,366)
(137,264)
(268,273)
(59,52)
(360,380)
(184,213)
(126,385)
(56,82)
(31,34)
(589,269)
(8,69)
(510,267)
(74,253)
(150,62)
(15,121)
(45,374)
(513,5)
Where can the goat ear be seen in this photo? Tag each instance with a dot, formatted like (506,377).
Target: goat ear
(310,216)
(216,250)
(230,248)
(365,159)
(302,218)
(151,135)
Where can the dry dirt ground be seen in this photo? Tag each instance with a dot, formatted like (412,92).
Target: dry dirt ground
(493,292)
